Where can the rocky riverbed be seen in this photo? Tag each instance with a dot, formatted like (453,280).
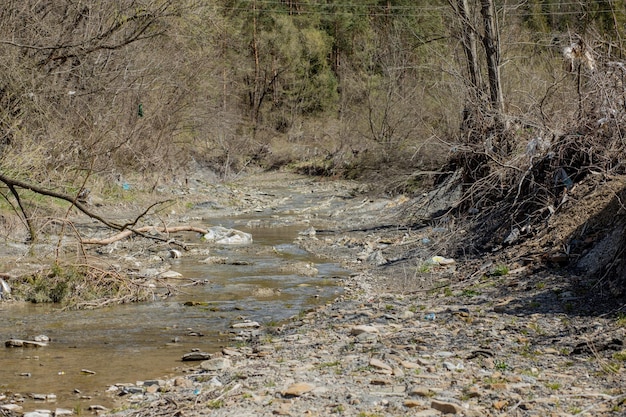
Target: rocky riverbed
(418,330)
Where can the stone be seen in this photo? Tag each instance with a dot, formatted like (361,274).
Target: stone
(409,365)
(245,324)
(445,407)
(59,412)
(412,403)
(182,382)
(150,382)
(97,407)
(500,404)
(452,367)
(362,328)
(421,392)
(131,390)
(196,356)
(170,274)
(231,352)
(151,389)
(11,407)
(216,364)
(379,381)
(297,389)
(377,363)
(38,413)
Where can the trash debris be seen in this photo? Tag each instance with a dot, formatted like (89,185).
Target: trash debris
(561,176)
(223,236)
(429,316)
(512,237)
(442,261)
(5,289)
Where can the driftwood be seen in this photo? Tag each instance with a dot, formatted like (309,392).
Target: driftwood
(24,343)
(142,231)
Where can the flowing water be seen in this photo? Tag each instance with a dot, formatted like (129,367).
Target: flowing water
(121,344)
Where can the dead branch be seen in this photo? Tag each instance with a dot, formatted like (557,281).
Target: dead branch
(126,228)
(12,182)
(142,232)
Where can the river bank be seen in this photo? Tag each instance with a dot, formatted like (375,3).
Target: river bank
(412,334)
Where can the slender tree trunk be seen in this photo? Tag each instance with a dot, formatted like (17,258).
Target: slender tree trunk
(256,92)
(469,46)
(492,52)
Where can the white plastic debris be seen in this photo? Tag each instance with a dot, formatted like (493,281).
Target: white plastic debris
(512,237)
(442,261)
(224,236)
(5,289)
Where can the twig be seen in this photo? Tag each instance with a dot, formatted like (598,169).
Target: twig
(607,398)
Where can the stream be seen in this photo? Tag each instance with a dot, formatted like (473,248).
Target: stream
(94,349)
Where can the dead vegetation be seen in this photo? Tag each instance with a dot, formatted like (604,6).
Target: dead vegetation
(80,286)
(550,194)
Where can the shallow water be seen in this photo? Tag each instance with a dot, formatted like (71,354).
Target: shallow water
(122,343)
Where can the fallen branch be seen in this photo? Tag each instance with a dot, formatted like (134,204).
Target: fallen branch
(142,232)
(12,182)
(126,229)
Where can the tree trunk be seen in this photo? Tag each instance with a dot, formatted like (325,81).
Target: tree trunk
(492,52)
(468,38)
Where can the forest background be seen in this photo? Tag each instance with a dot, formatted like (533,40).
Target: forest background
(398,93)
